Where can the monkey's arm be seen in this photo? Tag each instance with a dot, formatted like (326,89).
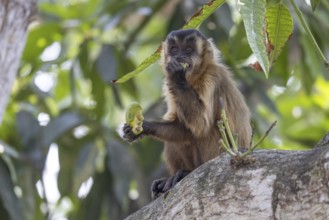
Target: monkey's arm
(196,110)
(163,131)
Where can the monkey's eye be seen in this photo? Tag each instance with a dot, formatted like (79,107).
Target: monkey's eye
(173,50)
(188,49)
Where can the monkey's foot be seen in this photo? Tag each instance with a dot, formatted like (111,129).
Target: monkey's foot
(163,185)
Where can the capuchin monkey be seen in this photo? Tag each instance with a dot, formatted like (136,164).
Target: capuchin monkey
(195,81)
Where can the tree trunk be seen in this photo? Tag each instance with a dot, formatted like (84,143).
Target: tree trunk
(278,185)
(15,17)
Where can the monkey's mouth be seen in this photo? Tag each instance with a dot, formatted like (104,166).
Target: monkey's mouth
(186,66)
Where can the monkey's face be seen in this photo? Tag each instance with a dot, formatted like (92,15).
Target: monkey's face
(186,48)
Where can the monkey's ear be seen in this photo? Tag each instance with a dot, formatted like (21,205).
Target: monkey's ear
(215,51)
(163,45)
(163,52)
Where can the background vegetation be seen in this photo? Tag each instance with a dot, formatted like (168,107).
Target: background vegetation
(60,156)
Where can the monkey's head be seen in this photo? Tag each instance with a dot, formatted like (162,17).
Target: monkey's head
(190,48)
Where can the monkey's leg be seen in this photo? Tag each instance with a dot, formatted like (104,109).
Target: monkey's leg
(163,185)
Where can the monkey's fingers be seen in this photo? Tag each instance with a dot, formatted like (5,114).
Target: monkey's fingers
(174,67)
(128,135)
(158,185)
(169,184)
(126,128)
(157,188)
(179,175)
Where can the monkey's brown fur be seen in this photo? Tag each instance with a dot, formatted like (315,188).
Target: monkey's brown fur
(189,130)
(199,142)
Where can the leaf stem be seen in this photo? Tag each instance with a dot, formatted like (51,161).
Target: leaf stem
(309,33)
(227,148)
(222,132)
(259,141)
(229,132)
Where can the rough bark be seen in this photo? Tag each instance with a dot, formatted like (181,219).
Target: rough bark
(279,185)
(15,17)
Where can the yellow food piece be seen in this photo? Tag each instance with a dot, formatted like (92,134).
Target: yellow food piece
(134,118)
(184,65)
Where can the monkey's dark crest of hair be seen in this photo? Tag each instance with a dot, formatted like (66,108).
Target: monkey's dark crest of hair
(181,34)
(194,82)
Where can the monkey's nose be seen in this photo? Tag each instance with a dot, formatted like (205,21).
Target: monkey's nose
(182,58)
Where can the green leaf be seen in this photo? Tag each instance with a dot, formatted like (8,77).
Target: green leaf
(314,4)
(9,199)
(61,125)
(28,129)
(253,13)
(106,63)
(63,79)
(194,22)
(9,150)
(70,11)
(239,48)
(92,206)
(130,86)
(85,165)
(121,165)
(146,63)
(98,92)
(67,156)
(200,16)
(279,29)
(39,38)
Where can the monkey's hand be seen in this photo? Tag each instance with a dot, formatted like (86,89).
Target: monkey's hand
(176,73)
(129,136)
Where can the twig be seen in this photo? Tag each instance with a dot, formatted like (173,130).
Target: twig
(229,141)
(260,140)
(229,132)
(309,33)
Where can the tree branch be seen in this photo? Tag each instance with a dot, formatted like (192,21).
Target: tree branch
(15,15)
(279,185)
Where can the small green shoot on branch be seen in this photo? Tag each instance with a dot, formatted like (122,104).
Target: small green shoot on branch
(229,141)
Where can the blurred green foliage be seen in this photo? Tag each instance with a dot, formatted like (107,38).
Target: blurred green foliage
(60,156)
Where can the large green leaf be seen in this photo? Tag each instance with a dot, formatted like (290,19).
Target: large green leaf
(39,38)
(28,129)
(194,22)
(8,198)
(130,86)
(91,207)
(90,69)
(70,11)
(85,165)
(253,13)
(106,63)
(279,29)
(146,63)
(67,156)
(9,150)
(200,16)
(61,125)
(98,91)
(121,165)
(239,48)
